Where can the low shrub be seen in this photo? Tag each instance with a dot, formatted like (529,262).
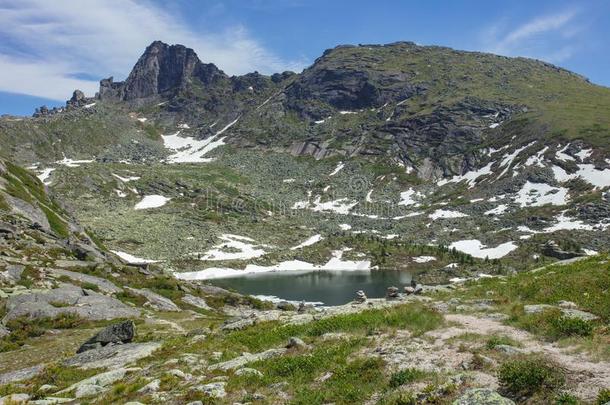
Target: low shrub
(526,376)
(406,376)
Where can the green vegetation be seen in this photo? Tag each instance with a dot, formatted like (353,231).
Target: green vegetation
(585,283)
(413,317)
(530,375)
(603,397)
(24,328)
(405,376)
(496,340)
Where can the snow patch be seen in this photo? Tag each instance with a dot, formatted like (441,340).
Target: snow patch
(340,166)
(243,245)
(424,259)
(539,194)
(469,177)
(335,263)
(313,240)
(44,175)
(130,259)
(151,201)
(126,179)
(475,248)
(440,213)
(407,197)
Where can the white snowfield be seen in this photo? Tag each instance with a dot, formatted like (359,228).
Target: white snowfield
(539,194)
(335,263)
(345,227)
(440,213)
(151,201)
(191,150)
(240,248)
(587,172)
(313,240)
(130,259)
(475,248)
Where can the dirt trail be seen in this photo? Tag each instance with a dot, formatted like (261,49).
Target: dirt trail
(585,377)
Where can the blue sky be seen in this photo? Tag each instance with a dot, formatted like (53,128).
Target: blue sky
(49,48)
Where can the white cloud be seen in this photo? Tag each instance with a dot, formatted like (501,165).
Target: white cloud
(550,37)
(58,41)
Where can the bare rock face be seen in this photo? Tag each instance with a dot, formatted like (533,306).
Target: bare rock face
(78,99)
(67,299)
(161,69)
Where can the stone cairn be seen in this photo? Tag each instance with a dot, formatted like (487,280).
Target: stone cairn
(392,293)
(360,297)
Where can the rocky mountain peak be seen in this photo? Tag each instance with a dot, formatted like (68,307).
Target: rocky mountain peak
(161,69)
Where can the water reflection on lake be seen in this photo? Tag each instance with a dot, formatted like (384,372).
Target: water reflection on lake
(329,287)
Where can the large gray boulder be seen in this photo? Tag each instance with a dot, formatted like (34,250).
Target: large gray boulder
(112,356)
(67,299)
(482,396)
(122,332)
(155,301)
(103,284)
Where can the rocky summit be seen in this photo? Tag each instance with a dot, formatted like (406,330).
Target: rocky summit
(395,224)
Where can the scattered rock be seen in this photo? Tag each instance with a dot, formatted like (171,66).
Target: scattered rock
(20,375)
(567,304)
(122,332)
(88,390)
(295,342)
(155,301)
(14,399)
(570,313)
(507,349)
(196,302)
(213,390)
(151,387)
(552,249)
(248,371)
(103,284)
(285,306)
(246,358)
(482,396)
(239,324)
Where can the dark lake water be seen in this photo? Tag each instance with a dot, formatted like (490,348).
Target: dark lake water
(327,286)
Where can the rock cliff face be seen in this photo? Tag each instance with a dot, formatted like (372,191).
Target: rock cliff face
(161,70)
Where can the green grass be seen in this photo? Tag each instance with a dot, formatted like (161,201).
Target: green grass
(24,328)
(352,379)
(406,376)
(413,317)
(586,283)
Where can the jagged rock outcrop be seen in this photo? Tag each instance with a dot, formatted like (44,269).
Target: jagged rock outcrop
(161,69)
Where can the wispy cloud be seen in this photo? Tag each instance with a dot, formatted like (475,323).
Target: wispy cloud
(552,37)
(46,47)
